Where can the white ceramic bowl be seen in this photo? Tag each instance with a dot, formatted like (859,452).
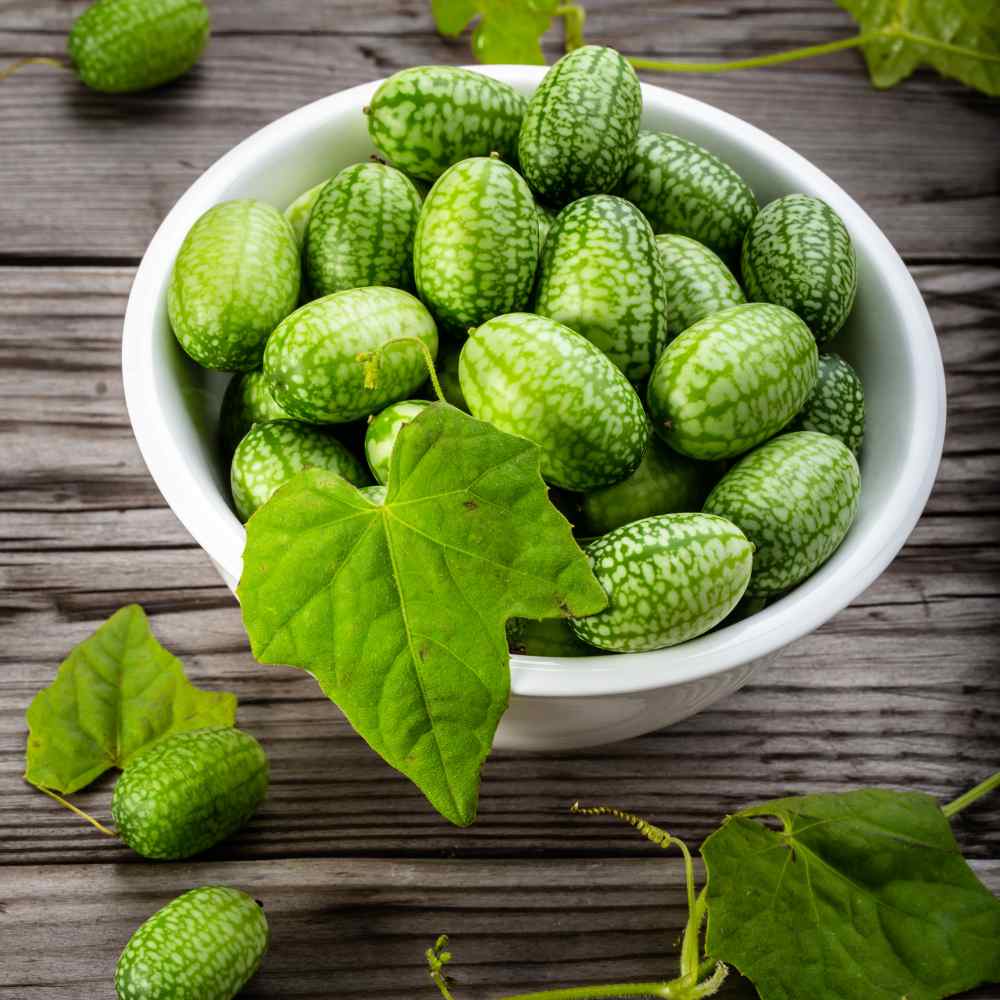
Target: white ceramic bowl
(563,703)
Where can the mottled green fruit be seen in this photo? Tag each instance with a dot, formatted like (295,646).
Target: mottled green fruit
(361,231)
(732,380)
(798,254)
(601,275)
(546,216)
(664,483)
(837,404)
(247,401)
(476,248)
(235,279)
(117,46)
(426,118)
(311,360)
(273,452)
(447,372)
(383,431)
(375,494)
(795,498)
(204,945)
(683,188)
(548,637)
(189,791)
(534,377)
(300,210)
(668,579)
(580,125)
(698,282)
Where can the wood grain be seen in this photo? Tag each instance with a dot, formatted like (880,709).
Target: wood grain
(358,929)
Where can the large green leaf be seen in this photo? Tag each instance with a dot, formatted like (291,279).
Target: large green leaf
(399,610)
(860,896)
(115,694)
(507,31)
(958,38)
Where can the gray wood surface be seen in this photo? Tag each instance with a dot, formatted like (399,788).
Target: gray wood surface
(900,689)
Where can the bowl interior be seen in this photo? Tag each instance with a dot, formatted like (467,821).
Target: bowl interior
(889,339)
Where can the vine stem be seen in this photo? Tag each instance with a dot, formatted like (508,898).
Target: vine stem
(774,59)
(666,991)
(971,795)
(79,812)
(372,360)
(12,68)
(574,17)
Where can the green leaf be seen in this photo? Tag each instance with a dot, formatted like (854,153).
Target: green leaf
(399,610)
(958,38)
(115,694)
(511,30)
(861,896)
(452,17)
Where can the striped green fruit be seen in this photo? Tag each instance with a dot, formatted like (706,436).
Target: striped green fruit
(204,945)
(273,452)
(190,791)
(380,438)
(580,126)
(546,217)
(664,483)
(426,118)
(118,46)
(361,231)
(476,248)
(247,401)
(235,279)
(548,637)
(698,282)
(300,210)
(795,498)
(798,254)
(311,360)
(732,380)
(683,188)
(601,275)
(837,405)
(668,579)
(534,377)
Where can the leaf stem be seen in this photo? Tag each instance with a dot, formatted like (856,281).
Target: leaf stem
(73,809)
(372,361)
(971,795)
(12,68)
(774,59)
(666,991)
(574,17)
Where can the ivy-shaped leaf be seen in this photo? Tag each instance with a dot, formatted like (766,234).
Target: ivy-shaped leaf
(861,896)
(958,38)
(508,31)
(115,694)
(399,610)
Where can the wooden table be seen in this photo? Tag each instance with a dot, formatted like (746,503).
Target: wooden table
(358,874)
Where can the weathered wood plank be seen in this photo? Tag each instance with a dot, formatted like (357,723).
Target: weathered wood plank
(103,171)
(358,929)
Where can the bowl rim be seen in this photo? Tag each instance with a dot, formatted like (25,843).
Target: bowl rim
(804,609)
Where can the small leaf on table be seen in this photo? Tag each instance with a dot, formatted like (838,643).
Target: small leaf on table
(958,38)
(861,896)
(399,610)
(115,694)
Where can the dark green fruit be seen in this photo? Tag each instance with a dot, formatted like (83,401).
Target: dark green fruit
(247,401)
(189,791)
(204,945)
(118,46)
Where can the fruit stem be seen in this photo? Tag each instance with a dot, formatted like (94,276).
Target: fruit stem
(13,67)
(774,59)
(971,795)
(372,360)
(79,812)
